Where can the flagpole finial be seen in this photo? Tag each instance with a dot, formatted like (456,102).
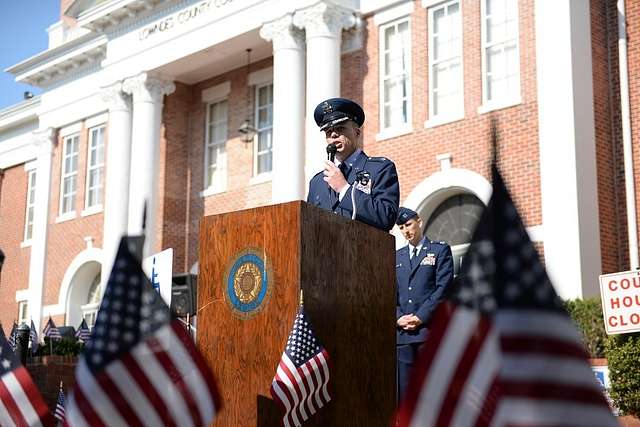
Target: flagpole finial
(60,384)
(301,298)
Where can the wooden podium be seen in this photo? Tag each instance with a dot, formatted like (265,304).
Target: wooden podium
(253,264)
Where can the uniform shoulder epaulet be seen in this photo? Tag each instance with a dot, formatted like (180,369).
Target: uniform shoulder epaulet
(378,159)
(438,242)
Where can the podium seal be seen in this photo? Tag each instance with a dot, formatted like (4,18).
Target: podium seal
(247,287)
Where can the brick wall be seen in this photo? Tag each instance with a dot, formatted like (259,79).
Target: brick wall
(611,194)
(633,46)
(15,272)
(67,239)
(48,371)
(240,193)
(467,140)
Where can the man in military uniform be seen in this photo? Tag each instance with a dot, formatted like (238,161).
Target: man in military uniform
(424,269)
(372,180)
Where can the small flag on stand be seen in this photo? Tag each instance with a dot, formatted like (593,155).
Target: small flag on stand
(51,331)
(20,401)
(502,351)
(13,337)
(59,412)
(139,368)
(300,383)
(33,338)
(83,332)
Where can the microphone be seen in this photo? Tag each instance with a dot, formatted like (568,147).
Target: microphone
(331,152)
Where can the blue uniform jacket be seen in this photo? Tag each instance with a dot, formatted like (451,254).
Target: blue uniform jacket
(419,290)
(376,203)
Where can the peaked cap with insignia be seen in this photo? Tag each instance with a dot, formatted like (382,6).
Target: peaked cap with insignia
(337,110)
(404,215)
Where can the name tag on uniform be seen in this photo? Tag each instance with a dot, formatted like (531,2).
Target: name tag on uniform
(364,188)
(430,259)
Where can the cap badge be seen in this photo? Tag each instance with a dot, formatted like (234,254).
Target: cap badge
(326,107)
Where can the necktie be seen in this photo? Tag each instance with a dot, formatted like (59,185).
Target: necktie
(414,257)
(343,169)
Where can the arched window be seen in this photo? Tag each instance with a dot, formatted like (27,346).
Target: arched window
(454,221)
(90,308)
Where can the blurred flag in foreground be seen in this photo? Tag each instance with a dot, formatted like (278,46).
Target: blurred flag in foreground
(139,368)
(502,351)
(20,401)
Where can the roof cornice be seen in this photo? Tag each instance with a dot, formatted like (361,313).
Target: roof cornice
(42,69)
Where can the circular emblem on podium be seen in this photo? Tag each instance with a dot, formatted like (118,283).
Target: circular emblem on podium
(247,283)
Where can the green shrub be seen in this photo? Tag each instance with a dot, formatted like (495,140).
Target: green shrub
(587,315)
(623,357)
(63,347)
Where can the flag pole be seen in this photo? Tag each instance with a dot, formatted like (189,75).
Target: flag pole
(301,299)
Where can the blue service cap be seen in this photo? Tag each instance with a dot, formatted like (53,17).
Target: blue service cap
(336,110)
(404,215)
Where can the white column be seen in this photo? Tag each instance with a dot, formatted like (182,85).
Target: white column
(116,200)
(288,180)
(148,94)
(323,23)
(44,140)
(568,172)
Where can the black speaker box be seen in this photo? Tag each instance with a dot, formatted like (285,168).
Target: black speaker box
(184,295)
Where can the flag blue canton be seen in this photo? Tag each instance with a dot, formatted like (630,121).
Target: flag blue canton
(520,279)
(83,333)
(13,336)
(130,311)
(8,360)
(51,331)
(302,345)
(33,338)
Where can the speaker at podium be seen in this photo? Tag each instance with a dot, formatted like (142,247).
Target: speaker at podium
(184,295)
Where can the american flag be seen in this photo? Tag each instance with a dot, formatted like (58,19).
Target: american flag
(83,333)
(13,337)
(59,412)
(139,368)
(33,338)
(20,401)
(51,331)
(502,351)
(300,383)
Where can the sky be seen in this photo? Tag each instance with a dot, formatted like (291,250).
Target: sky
(23,33)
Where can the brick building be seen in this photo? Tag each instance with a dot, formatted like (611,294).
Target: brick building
(143,101)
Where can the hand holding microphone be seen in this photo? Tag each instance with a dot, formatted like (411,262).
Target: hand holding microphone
(332,175)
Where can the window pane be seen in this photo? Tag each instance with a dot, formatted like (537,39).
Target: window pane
(264,141)
(213,155)
(264,162)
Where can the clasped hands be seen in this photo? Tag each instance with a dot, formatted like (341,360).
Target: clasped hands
(334,177)
(409,322)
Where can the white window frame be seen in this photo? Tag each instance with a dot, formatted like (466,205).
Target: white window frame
(31,205)
(91,307)
(404,128)
(91,209)
(64,174)
(490,105)
(219,182)
(23,312)
(442,118)
(258,177)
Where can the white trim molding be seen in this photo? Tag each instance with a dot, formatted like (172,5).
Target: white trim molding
(84,257)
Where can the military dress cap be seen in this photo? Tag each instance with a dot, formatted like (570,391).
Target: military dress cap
(404,215)
(337,110)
